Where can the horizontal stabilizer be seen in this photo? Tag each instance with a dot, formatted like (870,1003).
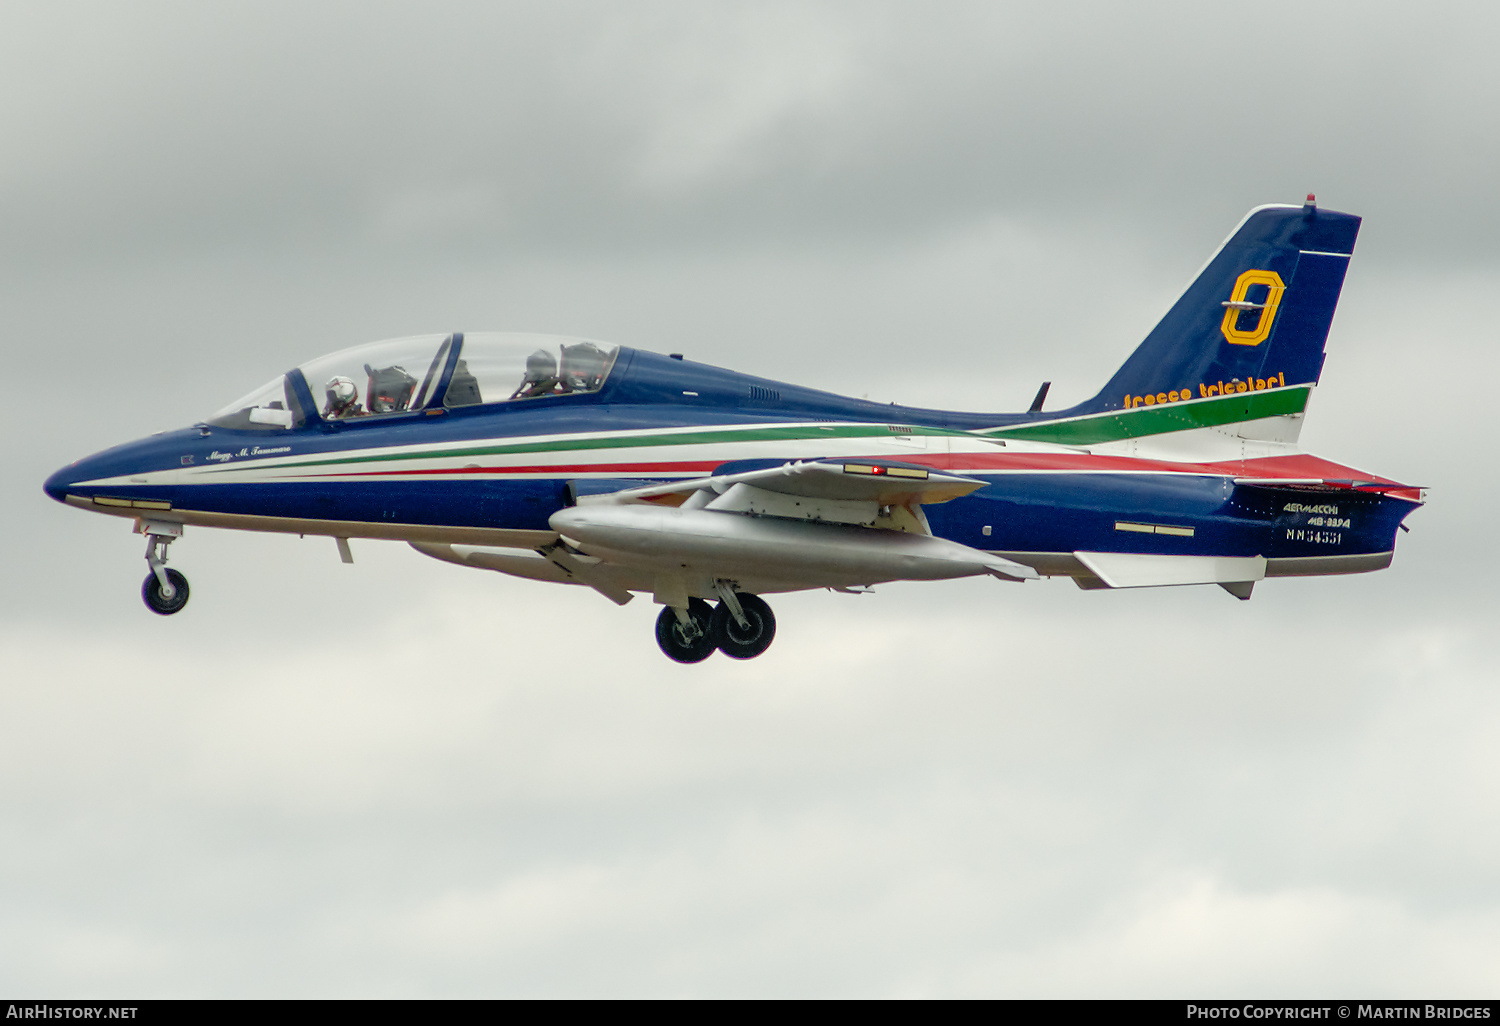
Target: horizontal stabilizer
(1146,570)
(1327,484)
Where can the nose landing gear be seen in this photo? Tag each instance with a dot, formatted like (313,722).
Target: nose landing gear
(164,591)
(157,596)
(741,626)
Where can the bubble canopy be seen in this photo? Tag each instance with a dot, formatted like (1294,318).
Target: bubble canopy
(424,372)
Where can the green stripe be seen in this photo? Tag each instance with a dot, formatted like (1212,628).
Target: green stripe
(707,437)
(1158,420)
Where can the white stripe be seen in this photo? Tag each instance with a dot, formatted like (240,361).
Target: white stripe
(467,446)
(1320,252)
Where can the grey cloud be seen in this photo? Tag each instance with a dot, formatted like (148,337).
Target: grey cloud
(864,811)
(561,126)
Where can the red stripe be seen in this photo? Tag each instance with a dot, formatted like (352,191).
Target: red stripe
(1300,465)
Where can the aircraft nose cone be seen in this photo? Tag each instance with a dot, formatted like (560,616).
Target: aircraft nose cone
(57,485)
(70,479)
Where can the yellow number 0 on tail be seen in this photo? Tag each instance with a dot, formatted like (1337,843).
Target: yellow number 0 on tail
(1262,329)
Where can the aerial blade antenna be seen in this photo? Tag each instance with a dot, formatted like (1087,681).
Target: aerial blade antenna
(1041,397)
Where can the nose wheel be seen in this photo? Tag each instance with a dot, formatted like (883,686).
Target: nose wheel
(164,591)
(159,600)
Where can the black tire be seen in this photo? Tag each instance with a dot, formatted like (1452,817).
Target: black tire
(151,593)
(684,645)
(744,642)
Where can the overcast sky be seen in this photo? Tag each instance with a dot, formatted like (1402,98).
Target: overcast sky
(404,778)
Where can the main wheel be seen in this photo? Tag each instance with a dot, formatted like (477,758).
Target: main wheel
(692,642)
(751,640)
(151,592)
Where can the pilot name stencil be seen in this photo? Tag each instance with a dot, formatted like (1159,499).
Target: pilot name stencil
(250,450)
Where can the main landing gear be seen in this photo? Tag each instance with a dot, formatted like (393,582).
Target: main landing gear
(686,635)
(164,591)
(741,626)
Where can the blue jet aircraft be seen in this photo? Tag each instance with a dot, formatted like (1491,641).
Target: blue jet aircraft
(625,471)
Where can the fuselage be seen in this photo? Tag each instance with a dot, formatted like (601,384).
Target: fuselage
(493,473)
(620,470)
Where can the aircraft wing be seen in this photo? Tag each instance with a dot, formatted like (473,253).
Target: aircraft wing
(877,482)
(791,526)
(781,528)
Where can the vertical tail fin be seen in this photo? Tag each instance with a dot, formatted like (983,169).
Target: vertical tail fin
(1244,344)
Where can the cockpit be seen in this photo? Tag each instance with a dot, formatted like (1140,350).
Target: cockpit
(423,373)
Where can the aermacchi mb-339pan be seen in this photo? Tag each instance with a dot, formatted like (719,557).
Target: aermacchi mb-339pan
(626,471)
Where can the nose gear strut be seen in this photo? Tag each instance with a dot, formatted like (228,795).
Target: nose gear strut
(164,591)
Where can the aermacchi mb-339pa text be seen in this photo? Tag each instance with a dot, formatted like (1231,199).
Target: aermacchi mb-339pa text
(625,471)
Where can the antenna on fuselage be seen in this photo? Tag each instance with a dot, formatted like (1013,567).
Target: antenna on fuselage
(1041,397)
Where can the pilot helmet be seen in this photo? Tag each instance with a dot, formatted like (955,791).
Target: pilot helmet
(540,366)
(341,392)
(583,366)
